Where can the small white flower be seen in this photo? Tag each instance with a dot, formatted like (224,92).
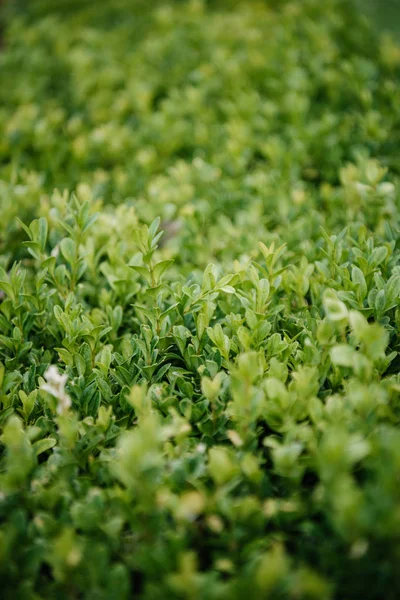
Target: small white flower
(55,385)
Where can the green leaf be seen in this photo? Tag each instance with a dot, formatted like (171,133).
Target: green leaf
(380,302)
(80,364)
(43,445)
(377,257)
(68,250)
(154,227)
(143,271)
(358,279)
(335,309)
(343,355)
(392,290)
(161,267)
(42,233)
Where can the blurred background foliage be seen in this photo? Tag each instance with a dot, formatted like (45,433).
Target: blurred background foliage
(385,14)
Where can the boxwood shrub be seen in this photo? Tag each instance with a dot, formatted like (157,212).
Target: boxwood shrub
(199,301)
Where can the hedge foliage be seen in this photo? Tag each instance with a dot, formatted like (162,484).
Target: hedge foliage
(212,413)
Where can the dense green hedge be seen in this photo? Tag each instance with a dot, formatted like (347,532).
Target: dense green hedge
(212,413)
